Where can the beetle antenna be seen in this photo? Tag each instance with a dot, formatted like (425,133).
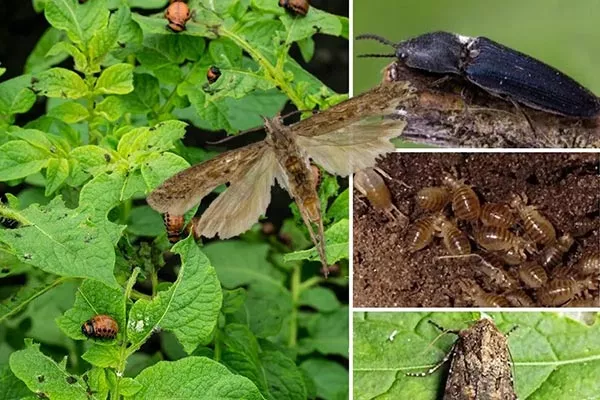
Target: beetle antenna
(380,39)
(376,55)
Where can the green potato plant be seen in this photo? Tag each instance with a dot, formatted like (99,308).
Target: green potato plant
(246,318)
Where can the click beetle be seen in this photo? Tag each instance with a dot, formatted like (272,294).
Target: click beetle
(499,70)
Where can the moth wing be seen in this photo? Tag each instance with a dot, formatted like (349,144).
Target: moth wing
(184,190)
(243,202)
(352,148)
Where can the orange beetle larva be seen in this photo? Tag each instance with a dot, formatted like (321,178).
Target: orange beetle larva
(553,253)
(465,202)
(496,214)
(212,74)
(178,14)
(433,198)
(371,185)
(533,275)
(299,7)
(174,226)
(456,242)
(100,327)
(539,229)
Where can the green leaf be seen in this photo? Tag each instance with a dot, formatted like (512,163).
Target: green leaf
(58,50)
(157,170)
(112,108)
(189,308)
(129,35)
(19,159)
(144,221)
(93,298)
(315,21)
(241,355)
(160,137)
(116,79)
(60,82)
(245,264)
(92,159)
(336,245)
(339,208)
(232,300)
(26,294)
(145,95)
(57,172)
(330,378)
(12,387)
(98,197)
(284,377)
(555,357)
(41,374)
(176,48)
(62,241)
(70,112)
(129,387)
(201,375)
(320,298)
(328,333)
(15,96)
(80,22)
(52,144)
(39,59)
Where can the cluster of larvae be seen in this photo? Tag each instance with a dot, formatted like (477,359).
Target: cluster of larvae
(520,255)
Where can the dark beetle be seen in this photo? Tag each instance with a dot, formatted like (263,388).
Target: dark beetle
(499,70)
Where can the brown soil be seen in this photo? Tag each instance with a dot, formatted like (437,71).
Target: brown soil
(565,187)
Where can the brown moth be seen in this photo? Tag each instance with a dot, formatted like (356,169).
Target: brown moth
(480,366)
(339,139)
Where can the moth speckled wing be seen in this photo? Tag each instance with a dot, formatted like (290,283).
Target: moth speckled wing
(377,102)
(185,189)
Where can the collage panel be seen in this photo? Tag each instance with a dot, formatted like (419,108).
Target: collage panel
(171,226)
(478,230)
(501,74)
(476,355)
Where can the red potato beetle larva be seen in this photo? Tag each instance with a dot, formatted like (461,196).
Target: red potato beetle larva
(299,7)
(100,327)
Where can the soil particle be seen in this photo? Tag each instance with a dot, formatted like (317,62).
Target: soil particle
(564,186)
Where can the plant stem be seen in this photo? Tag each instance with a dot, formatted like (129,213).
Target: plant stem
(275,75)
(136,295)
(125,211)
(307,284)
(217,345)
(295,290)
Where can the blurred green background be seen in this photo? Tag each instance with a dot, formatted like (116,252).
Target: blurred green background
(564,34)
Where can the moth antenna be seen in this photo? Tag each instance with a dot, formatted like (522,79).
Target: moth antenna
(376,55)
(228,138)
(380,39)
